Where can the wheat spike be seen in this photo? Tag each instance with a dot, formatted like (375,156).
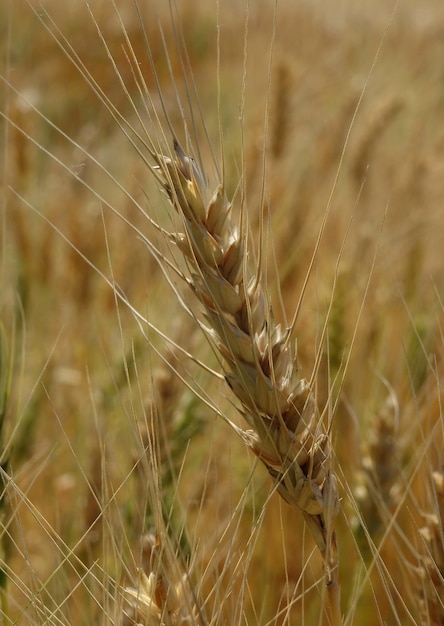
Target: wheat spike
(259,364)
(163,597)
(432,559)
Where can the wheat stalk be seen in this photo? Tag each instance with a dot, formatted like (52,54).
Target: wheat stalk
(259,364)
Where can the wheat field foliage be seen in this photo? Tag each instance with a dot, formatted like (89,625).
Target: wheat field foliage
(221,312)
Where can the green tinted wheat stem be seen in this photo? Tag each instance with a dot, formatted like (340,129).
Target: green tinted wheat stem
(259,364)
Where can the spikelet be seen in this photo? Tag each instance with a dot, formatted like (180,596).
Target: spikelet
(260,367)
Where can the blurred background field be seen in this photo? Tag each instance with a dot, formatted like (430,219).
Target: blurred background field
(351,120)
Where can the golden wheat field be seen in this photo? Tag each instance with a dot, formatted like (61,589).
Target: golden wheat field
(163,461)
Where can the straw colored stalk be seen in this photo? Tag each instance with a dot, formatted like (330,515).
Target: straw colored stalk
(260,366)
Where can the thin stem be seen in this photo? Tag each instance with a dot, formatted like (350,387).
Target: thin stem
(331,565)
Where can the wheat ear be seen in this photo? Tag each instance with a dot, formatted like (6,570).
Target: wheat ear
(431,569)
(164,596)
(258,359)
